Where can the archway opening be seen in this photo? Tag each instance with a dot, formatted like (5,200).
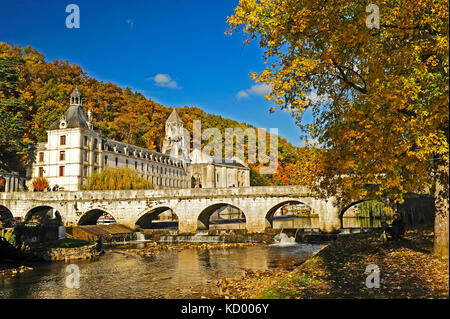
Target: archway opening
(96,217)
(221,216)
(6,217)
(292,214)
(43,215)
(158,218)
(366,214)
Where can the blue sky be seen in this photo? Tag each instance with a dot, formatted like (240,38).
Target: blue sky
(175,52)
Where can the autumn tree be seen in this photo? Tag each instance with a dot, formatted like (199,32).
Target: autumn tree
(380,101)
(13,147)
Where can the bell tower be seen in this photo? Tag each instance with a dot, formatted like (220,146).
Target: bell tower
(76,98)
(174,143)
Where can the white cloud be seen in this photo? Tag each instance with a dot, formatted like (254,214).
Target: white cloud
(242,95)
(164,80)
(130,22)
(257,89)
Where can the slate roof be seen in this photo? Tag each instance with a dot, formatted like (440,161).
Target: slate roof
(75,118)
(108,145)
(174,117)
(229,162)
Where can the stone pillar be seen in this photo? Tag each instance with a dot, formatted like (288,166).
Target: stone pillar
(187,224)
(7,182)
(329,221)
(255,223)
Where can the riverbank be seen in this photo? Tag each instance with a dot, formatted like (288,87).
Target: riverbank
(12,268)
(407,270)
(15,261)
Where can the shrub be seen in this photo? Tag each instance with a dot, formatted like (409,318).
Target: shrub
(116,179)
(40,184)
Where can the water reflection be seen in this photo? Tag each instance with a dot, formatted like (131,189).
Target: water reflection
(283,222)
(313,222)
(189,273)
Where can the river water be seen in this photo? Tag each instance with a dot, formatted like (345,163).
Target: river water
(120,273)
(188,273)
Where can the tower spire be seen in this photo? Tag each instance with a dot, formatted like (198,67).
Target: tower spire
(76,98)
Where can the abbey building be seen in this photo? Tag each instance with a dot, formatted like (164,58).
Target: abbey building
(75,149)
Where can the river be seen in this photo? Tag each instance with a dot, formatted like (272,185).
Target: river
(188,273)
(120,273)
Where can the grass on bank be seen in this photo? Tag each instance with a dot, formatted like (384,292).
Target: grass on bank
(64,243)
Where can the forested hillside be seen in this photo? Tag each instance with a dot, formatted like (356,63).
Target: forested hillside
(34,93)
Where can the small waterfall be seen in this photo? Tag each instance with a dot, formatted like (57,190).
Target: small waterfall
(140,236)
(282,239)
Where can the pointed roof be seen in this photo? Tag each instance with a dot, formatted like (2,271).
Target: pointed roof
(174,117)
(75,93)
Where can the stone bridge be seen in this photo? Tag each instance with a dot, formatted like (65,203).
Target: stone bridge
(192,206)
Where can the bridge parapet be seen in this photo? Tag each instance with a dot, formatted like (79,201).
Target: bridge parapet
(186,193)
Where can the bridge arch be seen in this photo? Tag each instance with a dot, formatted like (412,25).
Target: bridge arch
(40,213)
(203,219)
(146,219)
(5,214)
(346,208)
(91,216)
(271,212)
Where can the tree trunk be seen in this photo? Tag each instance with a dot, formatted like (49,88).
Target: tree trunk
(441,232)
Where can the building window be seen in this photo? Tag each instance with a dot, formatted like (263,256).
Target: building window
(85,155)
(62,156)
(117,162)
(126,162)
(96,158)
(106,160)
(62,140)
(61,171)
(142,166)
(41,156)
(41,172)
(135,165)
(95,144)
(85,141)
